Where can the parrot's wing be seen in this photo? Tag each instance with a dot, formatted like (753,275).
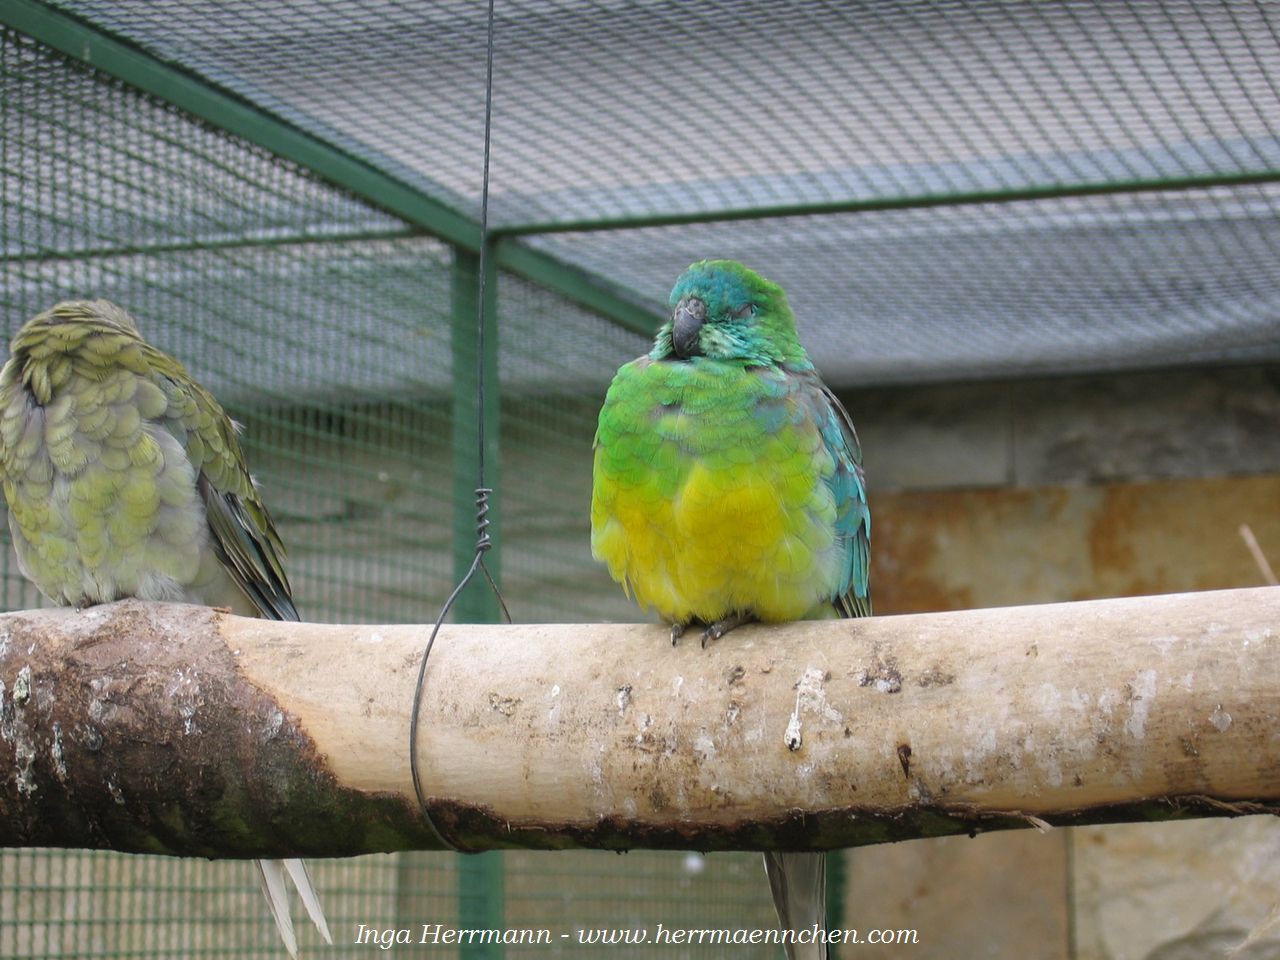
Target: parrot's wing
(243,535)
(849,489)
(249,548)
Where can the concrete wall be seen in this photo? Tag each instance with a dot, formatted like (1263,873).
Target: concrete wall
(992,494)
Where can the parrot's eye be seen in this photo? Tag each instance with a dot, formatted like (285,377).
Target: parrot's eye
(744,311)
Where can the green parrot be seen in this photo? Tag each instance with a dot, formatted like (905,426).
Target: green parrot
(124,478)
(728,488)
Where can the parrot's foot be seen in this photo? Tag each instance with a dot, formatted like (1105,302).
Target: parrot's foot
(718,629)
(714,631)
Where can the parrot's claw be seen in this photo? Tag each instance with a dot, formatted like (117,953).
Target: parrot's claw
(714,631)
(718,629)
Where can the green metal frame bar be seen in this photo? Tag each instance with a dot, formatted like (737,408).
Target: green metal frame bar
(904,202)
(481,898)
(191,246)
(837,886)
(578,285)
(481,893)
(476,604)
(135,66)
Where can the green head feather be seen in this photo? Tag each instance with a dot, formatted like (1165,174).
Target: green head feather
(725,311)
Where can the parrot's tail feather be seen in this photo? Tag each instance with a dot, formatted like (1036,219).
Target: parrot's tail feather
(799,885)
(271,876)
(310,899)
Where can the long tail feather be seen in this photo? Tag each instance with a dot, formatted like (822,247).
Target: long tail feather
(271,876)
(310,899)
(798,882)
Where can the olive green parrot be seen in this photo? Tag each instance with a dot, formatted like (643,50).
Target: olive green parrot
(124,478)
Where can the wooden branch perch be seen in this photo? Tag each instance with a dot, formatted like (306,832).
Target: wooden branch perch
(182,730)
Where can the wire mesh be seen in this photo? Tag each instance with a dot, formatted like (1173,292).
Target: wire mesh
(555,362)
(325,324)
(614,112)
(320,322)
(79,904)
(1038,287)
(601,894)
(740,103)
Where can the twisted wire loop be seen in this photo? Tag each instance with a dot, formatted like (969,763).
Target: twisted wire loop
(484,542)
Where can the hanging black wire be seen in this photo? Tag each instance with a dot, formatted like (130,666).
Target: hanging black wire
(483,540)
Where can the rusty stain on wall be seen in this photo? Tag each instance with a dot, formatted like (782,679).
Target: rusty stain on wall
(953,549)
(944,549)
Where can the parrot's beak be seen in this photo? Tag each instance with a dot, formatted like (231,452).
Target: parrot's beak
(686,327)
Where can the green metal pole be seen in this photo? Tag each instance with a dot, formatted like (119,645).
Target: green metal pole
(481,902)
(476,604)
(837,884)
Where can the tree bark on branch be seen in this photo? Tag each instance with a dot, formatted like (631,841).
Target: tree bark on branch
(166,728)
